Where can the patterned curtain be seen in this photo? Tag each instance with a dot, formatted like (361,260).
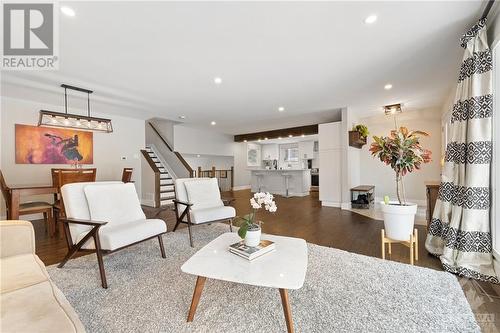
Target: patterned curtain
(459,232)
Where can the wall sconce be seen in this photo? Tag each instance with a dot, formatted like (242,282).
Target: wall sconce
(68,120)
(392,109)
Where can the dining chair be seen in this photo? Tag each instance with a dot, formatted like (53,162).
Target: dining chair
(127,175)
(32,207)
(61,177)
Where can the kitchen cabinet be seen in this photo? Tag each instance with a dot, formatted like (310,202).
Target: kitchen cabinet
(306,150)
(270,152)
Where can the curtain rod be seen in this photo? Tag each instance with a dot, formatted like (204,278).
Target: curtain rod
(487,8)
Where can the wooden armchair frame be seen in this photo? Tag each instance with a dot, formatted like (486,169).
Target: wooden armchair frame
(94,233)
(184,213)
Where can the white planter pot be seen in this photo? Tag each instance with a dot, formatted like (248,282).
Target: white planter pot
(252,237)
(399,220)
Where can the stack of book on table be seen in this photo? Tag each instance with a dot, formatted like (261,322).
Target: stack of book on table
(251,253)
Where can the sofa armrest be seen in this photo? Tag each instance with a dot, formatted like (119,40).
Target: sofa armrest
(16,237)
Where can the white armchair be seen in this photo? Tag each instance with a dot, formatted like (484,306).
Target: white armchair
(198,201)
(105,217)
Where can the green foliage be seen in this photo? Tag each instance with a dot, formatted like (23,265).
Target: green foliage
(362,129)
(401,150)
(244,223)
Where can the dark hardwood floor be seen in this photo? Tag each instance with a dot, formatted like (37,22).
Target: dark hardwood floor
(305,218)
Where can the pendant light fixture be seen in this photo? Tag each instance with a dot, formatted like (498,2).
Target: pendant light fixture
(68,120)
(392,109)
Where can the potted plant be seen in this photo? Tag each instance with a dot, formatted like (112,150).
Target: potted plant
(358,135)
(403,152)
(250,229)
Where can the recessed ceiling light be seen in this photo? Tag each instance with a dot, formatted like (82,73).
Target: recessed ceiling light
(371,19)
(258,140)
(265,138)
(182,117)
(303,135)
(198,155)
(213,123)
(281,109)
(217,80)
(67,11)
(290,136)
(279,137)
(244,140)
(388,86)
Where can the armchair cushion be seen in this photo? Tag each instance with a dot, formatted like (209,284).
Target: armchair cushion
(212,214)
(113,237)
(204,193)
(75,204)
(114,203)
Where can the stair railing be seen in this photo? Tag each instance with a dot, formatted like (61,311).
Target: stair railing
(156,170)
(179,156)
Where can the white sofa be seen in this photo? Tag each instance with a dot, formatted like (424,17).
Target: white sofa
(105,217)
(29,301)
(198,201)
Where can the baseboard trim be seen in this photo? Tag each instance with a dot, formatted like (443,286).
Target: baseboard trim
(149,203)
(345,206)
(330,204)
(242,187)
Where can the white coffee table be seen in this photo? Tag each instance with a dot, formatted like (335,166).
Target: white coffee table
(284,268)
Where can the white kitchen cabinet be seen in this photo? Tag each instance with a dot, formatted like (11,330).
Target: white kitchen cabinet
(270,152)
(306,150)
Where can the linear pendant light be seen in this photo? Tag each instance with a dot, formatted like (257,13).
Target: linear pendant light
(68,120)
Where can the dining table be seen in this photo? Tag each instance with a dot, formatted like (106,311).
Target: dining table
(26,190)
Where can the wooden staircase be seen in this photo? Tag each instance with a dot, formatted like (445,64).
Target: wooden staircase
(164,184)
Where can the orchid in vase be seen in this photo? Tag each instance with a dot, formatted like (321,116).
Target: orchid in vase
(247,223)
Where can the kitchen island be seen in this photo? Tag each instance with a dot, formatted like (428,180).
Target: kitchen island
(275,181)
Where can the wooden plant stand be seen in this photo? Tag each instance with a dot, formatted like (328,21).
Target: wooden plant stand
(412,244)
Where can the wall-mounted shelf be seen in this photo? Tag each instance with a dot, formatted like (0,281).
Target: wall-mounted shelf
(355,139)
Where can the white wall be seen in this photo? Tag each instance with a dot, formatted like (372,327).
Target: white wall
(126,141)
(330,164)
(242,176)
(190,140)
(206,162)
(374,172)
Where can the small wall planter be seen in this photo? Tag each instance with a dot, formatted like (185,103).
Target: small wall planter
(356,140)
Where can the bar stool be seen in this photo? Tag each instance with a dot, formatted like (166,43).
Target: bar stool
(259,180)
(287,183)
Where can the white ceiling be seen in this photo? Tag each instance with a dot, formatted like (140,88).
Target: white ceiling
(146,59)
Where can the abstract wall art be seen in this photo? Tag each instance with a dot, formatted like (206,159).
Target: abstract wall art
(45,145)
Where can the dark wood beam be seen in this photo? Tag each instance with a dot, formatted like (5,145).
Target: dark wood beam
(278,133)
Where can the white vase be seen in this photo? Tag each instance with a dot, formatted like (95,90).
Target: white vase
(252,237)
(399,220)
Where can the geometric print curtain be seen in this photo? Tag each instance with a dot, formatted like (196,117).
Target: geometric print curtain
(459,232)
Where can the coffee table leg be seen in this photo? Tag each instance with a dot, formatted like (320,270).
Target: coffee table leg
(287,310)
(200,283)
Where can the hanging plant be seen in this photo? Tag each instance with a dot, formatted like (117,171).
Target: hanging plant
(362,129)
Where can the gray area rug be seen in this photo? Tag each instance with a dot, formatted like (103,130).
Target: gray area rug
(343,292)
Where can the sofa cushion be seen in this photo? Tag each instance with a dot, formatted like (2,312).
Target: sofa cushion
(115,203)
(212,214)
(117,236)
(203,193)
(21,271)
(38,308)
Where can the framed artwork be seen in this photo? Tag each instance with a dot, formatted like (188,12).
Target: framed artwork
(253,155)
(46,145)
